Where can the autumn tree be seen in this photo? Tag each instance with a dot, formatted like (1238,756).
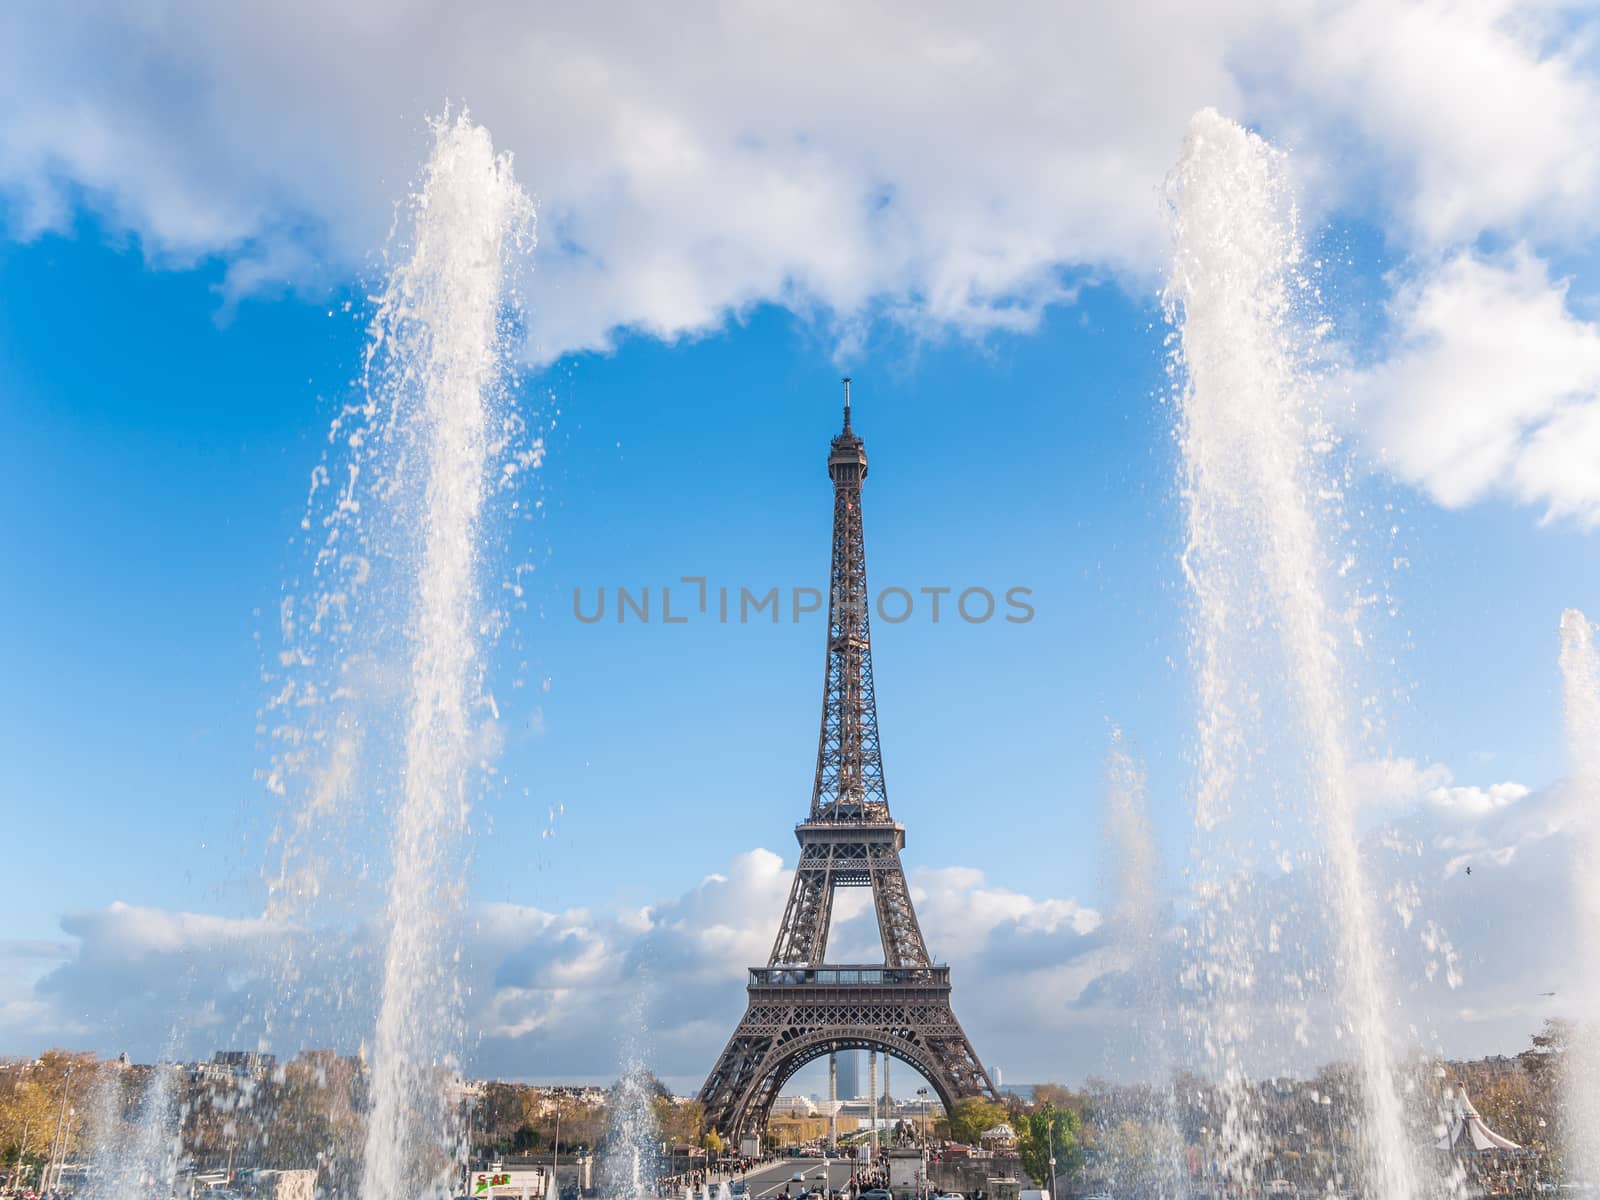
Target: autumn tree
(33,1096)
(678,1123)
(1059,1096)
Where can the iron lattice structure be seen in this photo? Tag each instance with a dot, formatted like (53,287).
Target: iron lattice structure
(800,1007)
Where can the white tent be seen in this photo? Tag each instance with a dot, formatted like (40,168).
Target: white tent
(1465,1129)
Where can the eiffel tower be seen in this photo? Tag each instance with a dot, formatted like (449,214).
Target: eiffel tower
(801,1007)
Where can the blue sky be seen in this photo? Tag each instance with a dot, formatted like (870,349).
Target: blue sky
(179,322)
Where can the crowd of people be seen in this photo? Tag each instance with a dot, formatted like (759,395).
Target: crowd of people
(728,1170)
(724,1170)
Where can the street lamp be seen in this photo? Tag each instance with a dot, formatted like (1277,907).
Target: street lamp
(555,1154)
(927,1182)
(61,1117)
(1052,1148)
(1333,1151)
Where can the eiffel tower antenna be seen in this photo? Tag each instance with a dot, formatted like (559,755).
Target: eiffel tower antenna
(801,1007)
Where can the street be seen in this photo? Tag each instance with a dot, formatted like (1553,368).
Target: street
(768,1180)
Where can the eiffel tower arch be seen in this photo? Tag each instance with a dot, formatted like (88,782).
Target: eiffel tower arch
(801,1007)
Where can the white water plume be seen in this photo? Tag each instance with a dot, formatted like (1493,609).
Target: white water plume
(135,1146)
(436,369)
(1135,926)
(629,1157)
(1580,672)
(629,1166)
(1265,641)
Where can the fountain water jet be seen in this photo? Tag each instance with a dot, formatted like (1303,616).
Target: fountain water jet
(1135,925)
(1580,671)
(1251,435)
(436,370)
(629,1167)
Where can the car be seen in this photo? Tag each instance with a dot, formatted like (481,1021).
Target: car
(738,1188)
(876,1194)
(820,1173)
(959,1196)
(798,1177)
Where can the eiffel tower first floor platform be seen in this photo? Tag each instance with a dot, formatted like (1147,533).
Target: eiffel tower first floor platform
(798,1014)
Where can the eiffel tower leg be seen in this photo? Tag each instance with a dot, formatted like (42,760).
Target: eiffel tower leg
(733,1077)
(897,920)
(803,936)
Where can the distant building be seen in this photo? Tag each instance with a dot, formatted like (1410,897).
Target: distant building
(794,1106)
(236,1064)
(1493,1067)
(849,1074)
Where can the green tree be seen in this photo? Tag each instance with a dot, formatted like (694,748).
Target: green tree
(1048,1130)
(971,1117)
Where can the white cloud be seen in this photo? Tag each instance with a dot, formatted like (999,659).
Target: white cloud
(1493,387)
(1040,984)
(1477,801)
(549,990)
(933,167)
(1462,116)
(934,164)
(1395,782)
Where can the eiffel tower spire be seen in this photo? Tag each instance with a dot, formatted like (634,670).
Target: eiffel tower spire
(849,784)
